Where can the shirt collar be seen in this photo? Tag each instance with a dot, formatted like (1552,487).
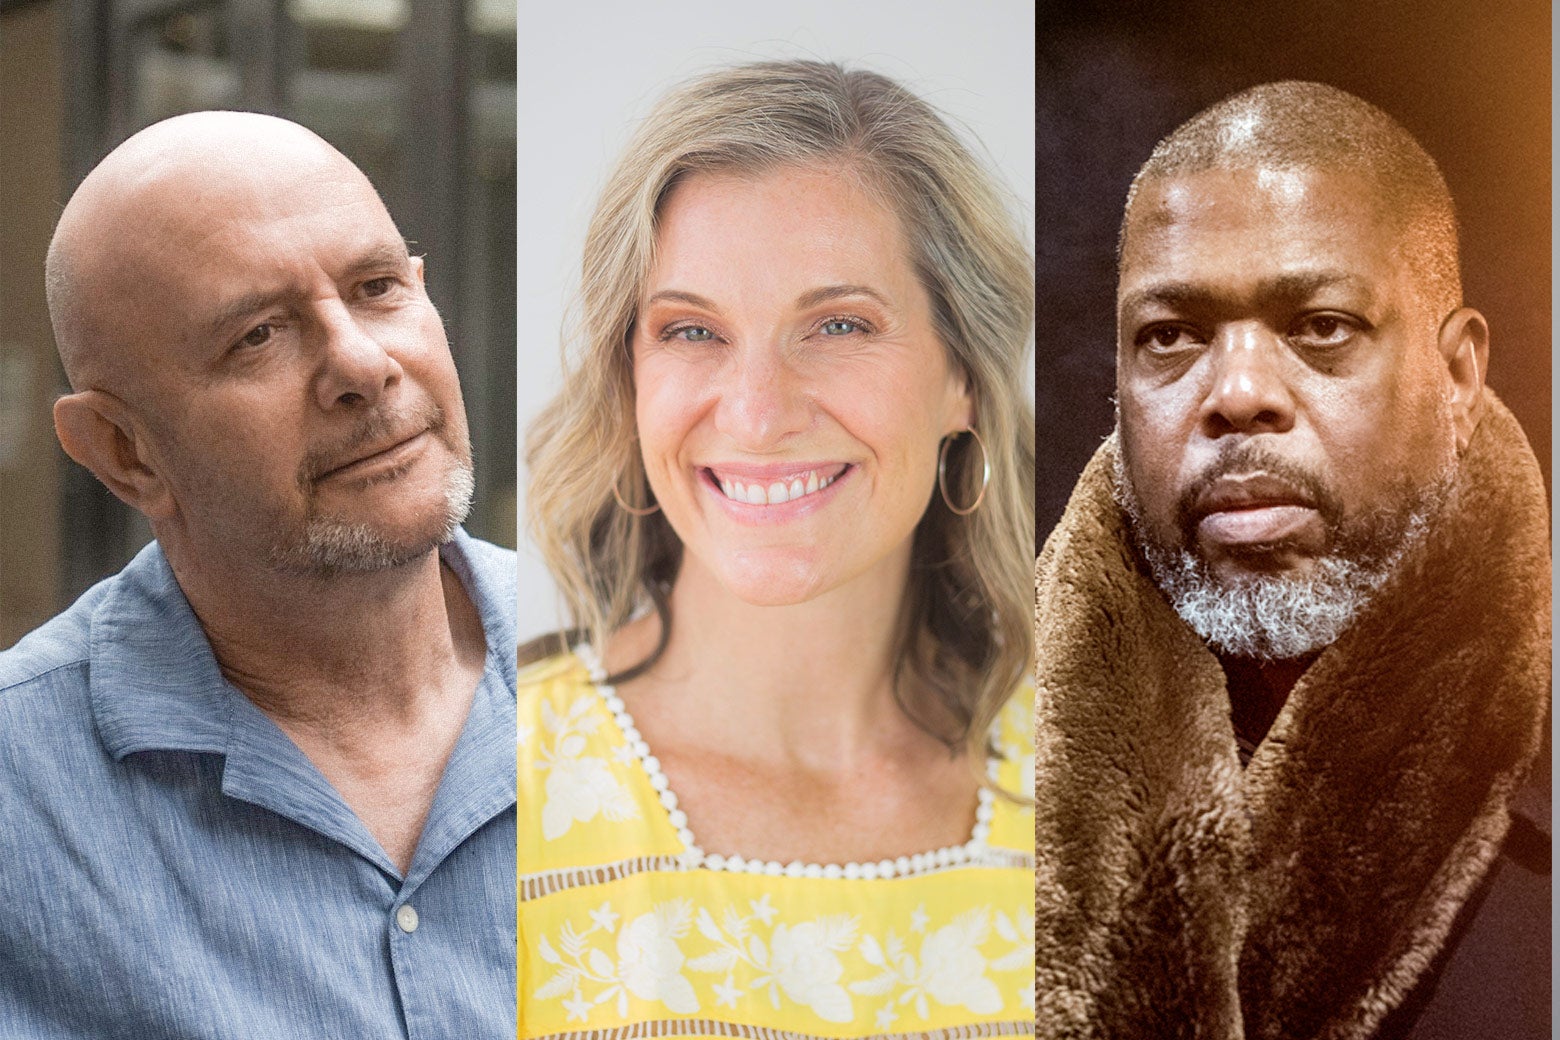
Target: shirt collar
(488,575)
(156,685)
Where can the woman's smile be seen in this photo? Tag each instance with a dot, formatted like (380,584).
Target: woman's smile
(791,387)
(772,485)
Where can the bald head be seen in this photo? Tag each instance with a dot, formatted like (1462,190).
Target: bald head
(1295,125)
(163,190)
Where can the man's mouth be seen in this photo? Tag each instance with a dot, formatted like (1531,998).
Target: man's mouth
(1253,510)
(773,489)
(385,454)
(1254,490)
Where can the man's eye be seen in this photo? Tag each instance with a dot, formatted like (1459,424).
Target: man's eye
(378,286)
(1166,337)
(257,336)
(1322,330)
(691,333)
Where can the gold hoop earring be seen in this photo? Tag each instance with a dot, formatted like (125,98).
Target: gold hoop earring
(942,472)
(628,508)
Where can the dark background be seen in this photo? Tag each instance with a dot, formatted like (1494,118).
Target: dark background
(1470,80)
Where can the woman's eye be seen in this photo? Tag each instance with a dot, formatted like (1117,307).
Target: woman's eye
(692,333)
(840,327)
(378,286)
(257,336)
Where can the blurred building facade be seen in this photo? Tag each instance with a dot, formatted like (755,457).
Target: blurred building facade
(419,93)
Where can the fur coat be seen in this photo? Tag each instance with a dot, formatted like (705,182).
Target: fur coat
(1178,895)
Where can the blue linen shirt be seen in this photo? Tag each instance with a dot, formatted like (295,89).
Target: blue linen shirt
(171,865)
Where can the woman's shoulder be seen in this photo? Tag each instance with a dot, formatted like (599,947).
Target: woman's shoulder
(545,679)
(1013,740)
(554,687)
(566,668)
(586,800)
(1014,729)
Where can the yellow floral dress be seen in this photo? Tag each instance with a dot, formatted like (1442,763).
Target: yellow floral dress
(628,930)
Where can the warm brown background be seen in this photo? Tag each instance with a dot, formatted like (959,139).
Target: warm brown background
(1470,80)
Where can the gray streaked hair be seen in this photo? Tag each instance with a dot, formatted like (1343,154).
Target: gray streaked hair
(967,635)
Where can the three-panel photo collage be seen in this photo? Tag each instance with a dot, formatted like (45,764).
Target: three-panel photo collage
(825,520)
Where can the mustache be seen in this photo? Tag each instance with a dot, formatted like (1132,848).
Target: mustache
(375,430)
(1247,457)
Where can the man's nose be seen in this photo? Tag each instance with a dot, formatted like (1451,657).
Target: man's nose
(354,366)
(763,399)
(1248,392)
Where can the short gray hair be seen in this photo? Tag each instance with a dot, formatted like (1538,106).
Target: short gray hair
(1294,124)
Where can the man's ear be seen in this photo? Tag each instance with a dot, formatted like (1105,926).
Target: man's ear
(1465,348)
(95,429)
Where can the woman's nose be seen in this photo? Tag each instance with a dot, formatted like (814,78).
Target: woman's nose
(763,399)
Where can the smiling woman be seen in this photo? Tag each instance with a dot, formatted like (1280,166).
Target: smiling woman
(787,490)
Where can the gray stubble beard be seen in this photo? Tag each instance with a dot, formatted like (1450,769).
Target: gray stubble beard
(329,545)
(1277,617)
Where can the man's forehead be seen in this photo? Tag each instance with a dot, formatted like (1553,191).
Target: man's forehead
(1256,219)
(193,267)
(256,243)
(1247,196)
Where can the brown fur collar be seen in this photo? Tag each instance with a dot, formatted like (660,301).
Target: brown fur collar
(1178,896)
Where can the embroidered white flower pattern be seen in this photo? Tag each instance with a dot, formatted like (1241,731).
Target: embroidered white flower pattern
(800,961)
(923,959)
(579,787)
(650,961)
(1020,931)
(648,966)
(950,969)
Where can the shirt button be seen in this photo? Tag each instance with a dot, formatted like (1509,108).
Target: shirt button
(406,917)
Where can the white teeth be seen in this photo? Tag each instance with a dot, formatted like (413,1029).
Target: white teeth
(775,493)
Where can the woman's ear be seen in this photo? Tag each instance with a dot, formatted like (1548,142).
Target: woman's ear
(1464,344)
(962,415)
(96,429)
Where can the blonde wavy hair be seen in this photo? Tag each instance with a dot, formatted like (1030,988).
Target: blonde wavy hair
(966,633)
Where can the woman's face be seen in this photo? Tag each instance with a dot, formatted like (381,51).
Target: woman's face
(790,390)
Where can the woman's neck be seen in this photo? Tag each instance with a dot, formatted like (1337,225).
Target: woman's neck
(779,731)
(810,682)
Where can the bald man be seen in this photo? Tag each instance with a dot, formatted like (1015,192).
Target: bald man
(1293,630)
(260,783)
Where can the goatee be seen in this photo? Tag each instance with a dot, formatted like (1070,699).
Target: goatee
(1276,616)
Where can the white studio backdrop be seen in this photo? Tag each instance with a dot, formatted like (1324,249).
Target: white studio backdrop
(588,72)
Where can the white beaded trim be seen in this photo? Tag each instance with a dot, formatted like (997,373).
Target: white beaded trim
(972,851)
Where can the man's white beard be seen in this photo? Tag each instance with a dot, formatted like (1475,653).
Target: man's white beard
(1277,617)
(330,545)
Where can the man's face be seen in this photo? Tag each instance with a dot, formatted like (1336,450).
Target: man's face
(297,388)
(1283,401)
